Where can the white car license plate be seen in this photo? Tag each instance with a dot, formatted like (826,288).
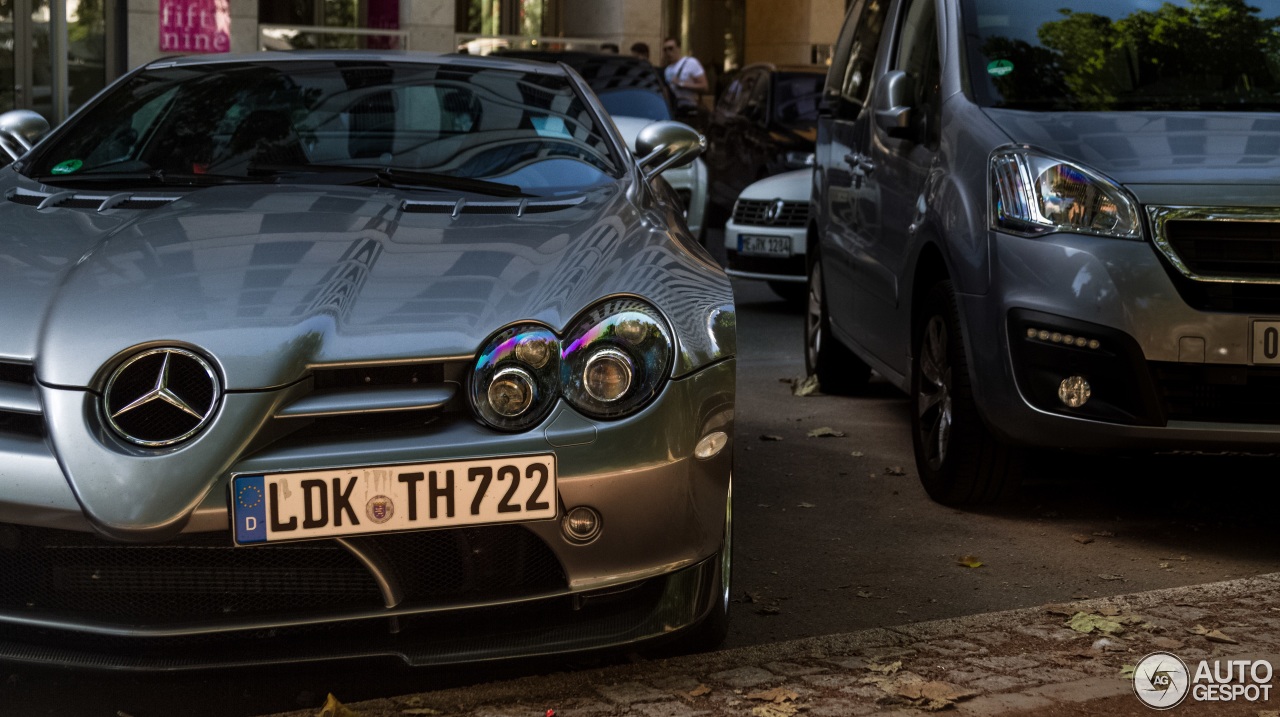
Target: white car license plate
(381,499)
(766,245)
(1266,342)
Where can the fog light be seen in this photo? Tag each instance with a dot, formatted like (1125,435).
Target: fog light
(607,375)
(711,444)
(1074,391)
(511,392)
(581,524)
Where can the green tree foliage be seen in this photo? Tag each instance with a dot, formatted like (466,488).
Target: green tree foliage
(1210,53)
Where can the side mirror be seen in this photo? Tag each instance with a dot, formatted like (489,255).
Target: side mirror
(663,145)
(893,108)
(20,130)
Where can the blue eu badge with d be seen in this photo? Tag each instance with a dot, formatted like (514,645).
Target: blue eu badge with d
(250,514)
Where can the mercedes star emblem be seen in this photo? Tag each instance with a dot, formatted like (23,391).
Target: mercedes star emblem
(160,397)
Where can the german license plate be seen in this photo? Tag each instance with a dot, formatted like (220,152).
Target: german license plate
(380,499)
(1266,342)
(766,245)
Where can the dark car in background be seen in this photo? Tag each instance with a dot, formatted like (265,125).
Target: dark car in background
(764,123)
(1052,226)
(635,95)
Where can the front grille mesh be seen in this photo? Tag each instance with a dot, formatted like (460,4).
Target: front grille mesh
(202,579)
(1226,248)
(754,212)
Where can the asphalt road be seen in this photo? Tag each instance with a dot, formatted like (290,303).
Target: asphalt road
(828,541)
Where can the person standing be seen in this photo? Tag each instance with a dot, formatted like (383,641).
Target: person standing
(684,73)
(640,51)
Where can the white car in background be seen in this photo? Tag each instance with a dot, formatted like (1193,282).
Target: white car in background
(765,237)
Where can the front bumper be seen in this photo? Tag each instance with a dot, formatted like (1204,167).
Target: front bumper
(1167,375)
(648,573)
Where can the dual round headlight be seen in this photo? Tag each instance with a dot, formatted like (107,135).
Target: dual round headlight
(611,363)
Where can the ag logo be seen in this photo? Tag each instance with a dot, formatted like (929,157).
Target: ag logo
(1161,680)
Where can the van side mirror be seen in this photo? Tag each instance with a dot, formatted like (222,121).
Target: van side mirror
(893,108)
(20,130)
(663,145)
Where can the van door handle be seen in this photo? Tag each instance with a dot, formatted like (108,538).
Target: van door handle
(860,164)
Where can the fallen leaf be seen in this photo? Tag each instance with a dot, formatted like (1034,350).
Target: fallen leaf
(1086,622)
(770,437)
(699,691)
(777,695)
(1108,576)
(825,432)
(1167,643)
(1082,539)
(804,387)
(806,505)
(1103,534)
(863,594)
(1218,636)
(856,454)
(333,708)
(1126,671)
(1108,611)
(970,561)
(774,710)
(1063,610)
(750,596)
(888,669)
(769,610)
(895,471)
(1165,566)
(928,695)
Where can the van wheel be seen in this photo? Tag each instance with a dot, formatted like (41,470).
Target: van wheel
(960,461)
(838,370)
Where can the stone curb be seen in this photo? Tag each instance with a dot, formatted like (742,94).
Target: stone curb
(1012,661)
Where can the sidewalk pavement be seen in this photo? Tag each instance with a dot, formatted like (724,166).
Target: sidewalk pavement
(1034,661)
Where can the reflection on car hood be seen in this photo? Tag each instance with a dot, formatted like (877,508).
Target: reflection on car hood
(271,279)
(793,186)
(1156,147)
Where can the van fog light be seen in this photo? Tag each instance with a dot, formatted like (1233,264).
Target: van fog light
(581,524)
(1074,391)
(711,445)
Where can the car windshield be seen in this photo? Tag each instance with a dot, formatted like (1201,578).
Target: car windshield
(631,102)
(1095,55)
(454,126)
(796,98)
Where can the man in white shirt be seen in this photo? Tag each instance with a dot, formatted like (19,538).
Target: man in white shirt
(685,74)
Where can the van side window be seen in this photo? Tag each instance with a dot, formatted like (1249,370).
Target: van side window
(918,56)
(856,56)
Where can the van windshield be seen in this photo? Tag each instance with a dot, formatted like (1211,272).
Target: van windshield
(1099,55)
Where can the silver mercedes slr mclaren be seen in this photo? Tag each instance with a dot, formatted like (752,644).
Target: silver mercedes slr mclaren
(356,355)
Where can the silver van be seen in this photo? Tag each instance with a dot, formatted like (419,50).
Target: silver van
(1056,225)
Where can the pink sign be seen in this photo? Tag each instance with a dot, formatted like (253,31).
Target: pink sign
(195,26)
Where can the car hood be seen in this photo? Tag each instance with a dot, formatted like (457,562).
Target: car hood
(793,186)
(270,280)
(1156,147)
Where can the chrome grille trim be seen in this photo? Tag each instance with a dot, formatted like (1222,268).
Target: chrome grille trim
(16,398)
(754,212)
(388,399)
(1161,216)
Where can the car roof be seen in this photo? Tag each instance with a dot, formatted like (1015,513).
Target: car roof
(398,56)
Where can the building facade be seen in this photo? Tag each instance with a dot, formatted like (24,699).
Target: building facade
(56,54)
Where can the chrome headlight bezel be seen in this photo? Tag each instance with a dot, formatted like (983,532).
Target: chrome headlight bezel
(1033,193)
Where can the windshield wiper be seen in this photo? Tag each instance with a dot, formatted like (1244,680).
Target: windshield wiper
(395,177)
(155,176)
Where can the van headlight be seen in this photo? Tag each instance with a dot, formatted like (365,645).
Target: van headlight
(1034,194)
(612,362)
